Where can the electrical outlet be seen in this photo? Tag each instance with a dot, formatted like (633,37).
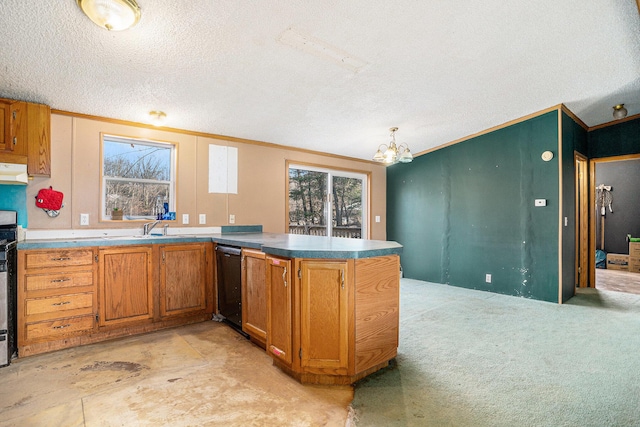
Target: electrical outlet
(84,219)
(541,202)
(487,278)
(202,219)
(232,219)
(185,218)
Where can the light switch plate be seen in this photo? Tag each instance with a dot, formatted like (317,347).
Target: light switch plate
(377,218)
(202,219)
(185,218)
(232,219)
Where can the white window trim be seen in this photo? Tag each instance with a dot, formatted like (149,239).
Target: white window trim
(125,140)
(328,204)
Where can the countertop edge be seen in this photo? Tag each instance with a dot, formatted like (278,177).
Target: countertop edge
(381,248)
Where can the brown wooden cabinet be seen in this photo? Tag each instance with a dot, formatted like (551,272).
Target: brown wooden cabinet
(279,310)
(340,317)
(13,123)
(38,139)
(182,279)
(254,295)
(56,295)
(125,285)
(326,312)
(70,297)
(25,135)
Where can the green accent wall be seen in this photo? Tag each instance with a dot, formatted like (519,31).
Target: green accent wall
(615,140)
(467,210)
(14,198)
(574,139)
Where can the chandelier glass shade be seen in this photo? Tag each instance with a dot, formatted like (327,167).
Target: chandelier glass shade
(393,153)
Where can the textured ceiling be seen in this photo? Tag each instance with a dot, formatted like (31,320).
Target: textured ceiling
(439,70)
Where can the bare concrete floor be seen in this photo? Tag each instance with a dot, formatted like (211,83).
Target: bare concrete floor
(198,375)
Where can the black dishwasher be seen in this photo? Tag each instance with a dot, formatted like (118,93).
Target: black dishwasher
(229,268)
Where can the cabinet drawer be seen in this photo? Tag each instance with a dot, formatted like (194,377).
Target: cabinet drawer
(60,304)
(59,327)
(634,264)
(634,249)
(59,258)
(43,282)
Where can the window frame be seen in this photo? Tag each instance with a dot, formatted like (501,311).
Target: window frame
(173,173)
(365,176)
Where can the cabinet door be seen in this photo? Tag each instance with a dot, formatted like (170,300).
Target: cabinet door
(182,279)
(254,294)
(12,122)
(279,309)
(325,290)
(125,285)
(38,139)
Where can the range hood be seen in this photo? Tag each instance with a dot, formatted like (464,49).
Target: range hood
(12,173)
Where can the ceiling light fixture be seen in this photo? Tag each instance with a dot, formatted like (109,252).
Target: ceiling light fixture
(114,15)
(619,112)
(392,153)
(157,117)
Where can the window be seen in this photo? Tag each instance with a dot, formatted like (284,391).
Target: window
(138,178)
(326,202)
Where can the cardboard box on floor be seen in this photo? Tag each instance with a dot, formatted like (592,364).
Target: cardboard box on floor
(618,262)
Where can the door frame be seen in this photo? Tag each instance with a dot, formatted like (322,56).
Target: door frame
(592,208)
(582,219)
(365,176)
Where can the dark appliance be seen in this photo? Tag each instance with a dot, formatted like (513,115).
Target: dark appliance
(229,269)
(8,287)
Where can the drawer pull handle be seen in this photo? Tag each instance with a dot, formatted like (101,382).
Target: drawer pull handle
(61,303)
(61,259)
(62,326)
(284,277)
(60,280)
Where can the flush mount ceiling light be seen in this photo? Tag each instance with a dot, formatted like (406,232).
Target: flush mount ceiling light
(157,117)
(392,153)
(114,15)
(619,112)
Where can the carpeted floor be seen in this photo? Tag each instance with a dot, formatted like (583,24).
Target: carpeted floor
(471,358)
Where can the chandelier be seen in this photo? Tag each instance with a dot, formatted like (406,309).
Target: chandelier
(393,153)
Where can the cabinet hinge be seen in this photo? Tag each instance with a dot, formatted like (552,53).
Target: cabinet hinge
(299,273)
(300,353)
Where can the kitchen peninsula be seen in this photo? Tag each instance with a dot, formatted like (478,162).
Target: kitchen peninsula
(325,309)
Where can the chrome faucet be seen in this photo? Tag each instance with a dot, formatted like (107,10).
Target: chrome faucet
(146,229)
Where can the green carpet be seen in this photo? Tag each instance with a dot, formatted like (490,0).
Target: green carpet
(472,358)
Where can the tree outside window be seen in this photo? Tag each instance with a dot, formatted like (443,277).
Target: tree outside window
(138,178)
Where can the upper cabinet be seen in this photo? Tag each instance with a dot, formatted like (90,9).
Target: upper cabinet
(11,140)
(25,135)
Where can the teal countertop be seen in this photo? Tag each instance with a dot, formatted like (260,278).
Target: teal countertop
(284,245)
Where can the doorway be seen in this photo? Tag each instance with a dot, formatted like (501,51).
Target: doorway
(327,202)
(615,217)
(582,221)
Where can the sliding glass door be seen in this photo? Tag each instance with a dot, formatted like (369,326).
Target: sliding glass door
(324,202)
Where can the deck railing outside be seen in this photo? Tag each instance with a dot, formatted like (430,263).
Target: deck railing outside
(318,230)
